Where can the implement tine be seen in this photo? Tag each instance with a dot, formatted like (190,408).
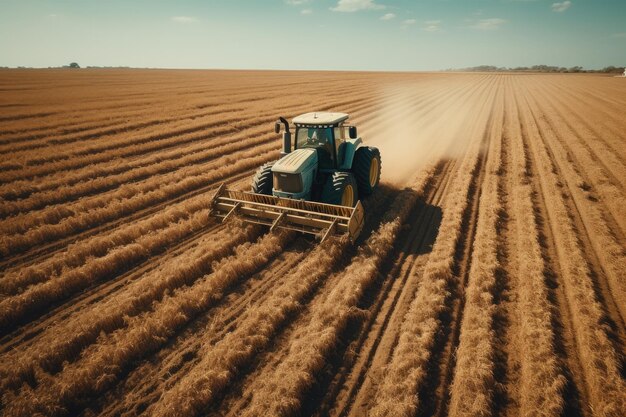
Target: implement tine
(329,231)
(233,210)
(277,221)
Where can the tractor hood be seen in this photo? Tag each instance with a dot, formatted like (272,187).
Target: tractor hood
(296,162)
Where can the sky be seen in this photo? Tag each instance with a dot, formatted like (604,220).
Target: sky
(379,35)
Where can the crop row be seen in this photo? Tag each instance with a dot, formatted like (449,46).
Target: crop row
(154,138)
(36,298)
(597,355)
(603,240)
(597,115)
(69,193)
(541,378)
(77,254)
(84,131)
(474,380)
(125,147)
(220,363)
(72,123)
(104,177)
(114,116)
(133,200)
(118,103)
(67,339)
(101,364)
(605,173)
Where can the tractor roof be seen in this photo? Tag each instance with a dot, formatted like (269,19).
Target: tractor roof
(320,118)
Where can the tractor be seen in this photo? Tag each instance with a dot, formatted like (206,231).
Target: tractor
(314,188)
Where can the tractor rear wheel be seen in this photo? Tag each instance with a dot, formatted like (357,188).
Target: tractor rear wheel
(340,189)
(366,168)
(262,182)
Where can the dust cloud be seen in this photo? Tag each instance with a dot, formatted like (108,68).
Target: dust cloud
(414,128)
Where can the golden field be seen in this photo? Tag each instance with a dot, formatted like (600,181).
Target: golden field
(489,279)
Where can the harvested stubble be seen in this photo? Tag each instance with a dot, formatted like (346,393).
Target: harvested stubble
(102,363)
(134,201)
(541,378)
(93,160)
(137,298)
(599,140)
(69,193)
(174,183)
(130,145)
(597,355)
(606,246)
(28,303)
(87,129)
(221,362)
(474,379)
(78,254)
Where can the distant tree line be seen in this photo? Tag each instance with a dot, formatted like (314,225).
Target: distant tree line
(540,68)
(73,65)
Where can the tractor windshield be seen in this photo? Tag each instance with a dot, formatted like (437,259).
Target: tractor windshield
(314,137)
(320,138)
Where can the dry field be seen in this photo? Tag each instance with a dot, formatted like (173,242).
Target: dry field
(489,279)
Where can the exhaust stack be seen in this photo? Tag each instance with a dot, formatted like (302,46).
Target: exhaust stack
(286,135)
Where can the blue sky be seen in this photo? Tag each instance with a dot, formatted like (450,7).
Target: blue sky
(390,35)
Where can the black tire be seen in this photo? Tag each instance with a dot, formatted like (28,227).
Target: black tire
(361,166)
(263,181)
(335,186)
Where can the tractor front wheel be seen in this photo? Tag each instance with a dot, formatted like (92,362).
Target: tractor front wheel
(340,189)
(366,169)
(262,182)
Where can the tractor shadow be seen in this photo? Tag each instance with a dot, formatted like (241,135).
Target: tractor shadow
(423,228)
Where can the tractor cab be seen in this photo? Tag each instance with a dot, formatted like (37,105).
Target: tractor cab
(327,134)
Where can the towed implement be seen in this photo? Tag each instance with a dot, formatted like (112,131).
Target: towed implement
(313,189)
